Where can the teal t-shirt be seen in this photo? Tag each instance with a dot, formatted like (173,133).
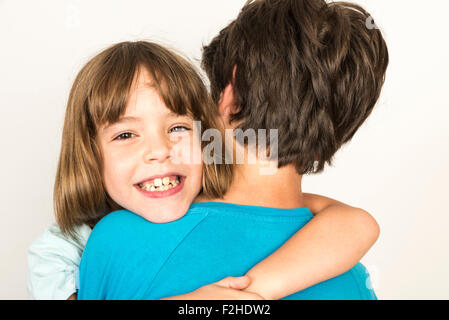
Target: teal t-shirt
(128,257)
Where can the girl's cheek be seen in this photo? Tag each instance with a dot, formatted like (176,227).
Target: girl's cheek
(118,158)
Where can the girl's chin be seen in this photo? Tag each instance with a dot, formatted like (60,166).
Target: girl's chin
(162,216)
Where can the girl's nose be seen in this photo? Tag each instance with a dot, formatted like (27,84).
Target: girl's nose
(158,150)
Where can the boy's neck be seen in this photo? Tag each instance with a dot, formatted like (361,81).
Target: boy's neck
(280,190)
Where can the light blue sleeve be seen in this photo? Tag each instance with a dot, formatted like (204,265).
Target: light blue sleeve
(53,261)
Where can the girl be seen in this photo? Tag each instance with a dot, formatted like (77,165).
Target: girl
(130,107)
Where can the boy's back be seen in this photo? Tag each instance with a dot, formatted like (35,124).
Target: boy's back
(213,241)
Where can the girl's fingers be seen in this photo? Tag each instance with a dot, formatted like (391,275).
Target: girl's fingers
(238,283)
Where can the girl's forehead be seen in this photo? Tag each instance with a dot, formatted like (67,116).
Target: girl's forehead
(142,77)
(143,85)
(146,101)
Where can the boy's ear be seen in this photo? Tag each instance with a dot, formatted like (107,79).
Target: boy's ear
(226,106)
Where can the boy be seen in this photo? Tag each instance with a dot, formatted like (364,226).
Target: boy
(309,69)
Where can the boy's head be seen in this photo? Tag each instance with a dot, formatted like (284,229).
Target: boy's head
(311,69)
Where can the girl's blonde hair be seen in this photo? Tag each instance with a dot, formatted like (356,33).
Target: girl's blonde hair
(98,97)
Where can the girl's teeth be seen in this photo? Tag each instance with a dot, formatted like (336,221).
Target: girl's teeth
(158,182)
(161,184)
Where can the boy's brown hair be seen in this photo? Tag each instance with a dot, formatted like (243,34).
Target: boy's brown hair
(98,97)
(311,69)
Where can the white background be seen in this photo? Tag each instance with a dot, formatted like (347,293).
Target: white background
(396,167)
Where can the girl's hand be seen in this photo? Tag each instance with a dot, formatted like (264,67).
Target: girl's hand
(229,288)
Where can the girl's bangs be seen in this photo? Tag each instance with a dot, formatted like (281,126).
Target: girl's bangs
(110,85)
(176,81)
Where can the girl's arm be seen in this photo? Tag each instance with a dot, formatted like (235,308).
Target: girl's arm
(329,245)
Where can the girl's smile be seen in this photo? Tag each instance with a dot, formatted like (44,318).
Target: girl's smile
(162,186)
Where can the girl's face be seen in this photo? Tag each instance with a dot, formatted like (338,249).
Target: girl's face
(141,171)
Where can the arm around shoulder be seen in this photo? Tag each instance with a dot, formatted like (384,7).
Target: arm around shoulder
(332,243)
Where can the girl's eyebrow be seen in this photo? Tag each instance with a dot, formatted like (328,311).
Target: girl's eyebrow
(121,120)
(172,114)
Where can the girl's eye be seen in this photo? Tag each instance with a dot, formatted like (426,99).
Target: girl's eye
(178,129)
(125,136)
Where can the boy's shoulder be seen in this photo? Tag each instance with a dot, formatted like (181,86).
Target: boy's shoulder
(116,220)
(119,244)
(124,230)
(115,228)
(124,220)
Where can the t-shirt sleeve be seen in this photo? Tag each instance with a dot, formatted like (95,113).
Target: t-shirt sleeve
(53,261)
(125,253)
